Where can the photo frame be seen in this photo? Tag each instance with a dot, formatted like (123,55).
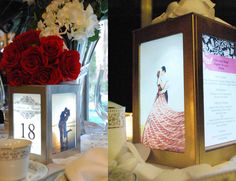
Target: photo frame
(157,46)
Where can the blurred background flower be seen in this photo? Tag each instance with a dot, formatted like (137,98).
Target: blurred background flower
(20,15)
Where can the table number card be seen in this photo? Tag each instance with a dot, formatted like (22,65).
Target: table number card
(27,119)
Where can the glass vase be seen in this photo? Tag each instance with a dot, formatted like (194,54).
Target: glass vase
(86,49)
(2,94)
(101,96)
(2,101)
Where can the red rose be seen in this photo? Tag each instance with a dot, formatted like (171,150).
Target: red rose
(46,75)
(11,57)
(32,59)
(42,76)
(27,78)
(14,77)
(27,39)
(69,64)
(52,47)
(56,76)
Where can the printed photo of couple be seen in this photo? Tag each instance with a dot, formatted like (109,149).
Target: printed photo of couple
(162,115)
(63,122)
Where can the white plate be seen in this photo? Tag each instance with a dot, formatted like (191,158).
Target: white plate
(36,171)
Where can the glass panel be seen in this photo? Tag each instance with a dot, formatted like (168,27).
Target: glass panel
(219,86)
(2,94)
(161,79)
(27,119)
(98,77)
(63,122)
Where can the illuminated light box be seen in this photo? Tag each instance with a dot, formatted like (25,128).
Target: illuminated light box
(184,84)
(48,116)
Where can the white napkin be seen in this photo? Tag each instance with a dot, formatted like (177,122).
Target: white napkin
(131,161)
(175,175)
(147,172)
(175,9)
(197,170)
(91,166)
(65,161)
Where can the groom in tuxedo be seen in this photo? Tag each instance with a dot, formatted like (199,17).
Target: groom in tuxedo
(164,80)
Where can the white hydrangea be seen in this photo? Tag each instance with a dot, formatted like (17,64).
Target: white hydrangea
(50,30)
(41,25)
(49,19)
(68,18)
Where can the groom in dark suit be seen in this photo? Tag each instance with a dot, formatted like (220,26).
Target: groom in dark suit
(165,81)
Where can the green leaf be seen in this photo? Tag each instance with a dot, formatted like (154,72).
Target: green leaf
(95,37)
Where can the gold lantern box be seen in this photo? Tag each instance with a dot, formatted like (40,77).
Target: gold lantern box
(48,116)
(184,84)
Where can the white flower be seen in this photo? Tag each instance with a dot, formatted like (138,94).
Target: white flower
(92,22)
(49,19)
(69,18)
(55,5)
(76,35)
(50,30)
(41,26)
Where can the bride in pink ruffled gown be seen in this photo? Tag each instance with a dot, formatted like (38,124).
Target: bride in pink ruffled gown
(164,128)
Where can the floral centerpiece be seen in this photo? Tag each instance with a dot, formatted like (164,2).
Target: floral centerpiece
(31,59)
(70,20)
(40,56)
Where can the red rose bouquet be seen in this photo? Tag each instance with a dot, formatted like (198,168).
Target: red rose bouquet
(30,59)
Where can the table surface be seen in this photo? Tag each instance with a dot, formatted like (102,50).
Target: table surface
(95,136)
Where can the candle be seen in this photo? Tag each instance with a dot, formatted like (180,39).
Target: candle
(129,126)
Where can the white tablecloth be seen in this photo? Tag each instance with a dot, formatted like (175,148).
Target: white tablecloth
(89,141)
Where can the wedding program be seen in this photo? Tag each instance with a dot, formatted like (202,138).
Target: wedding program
(219,87)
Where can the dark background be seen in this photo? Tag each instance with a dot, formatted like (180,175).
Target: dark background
(124,17)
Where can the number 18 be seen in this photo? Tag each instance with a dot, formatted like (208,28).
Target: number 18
(31,128)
